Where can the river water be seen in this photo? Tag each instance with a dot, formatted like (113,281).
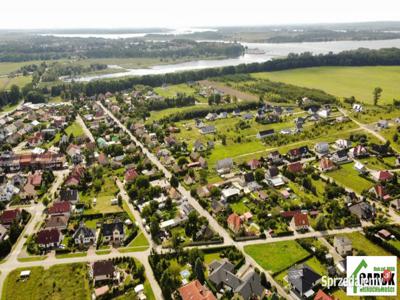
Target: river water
(270,51)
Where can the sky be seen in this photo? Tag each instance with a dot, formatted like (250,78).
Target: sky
(25,14)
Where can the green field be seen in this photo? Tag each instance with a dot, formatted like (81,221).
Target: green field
(349,177)
(21,81)
(344,81)
(58,282)
(276,257)
(139,241)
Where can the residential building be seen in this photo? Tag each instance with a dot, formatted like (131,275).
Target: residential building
(224,166)
(303,280)
(49,238)
(295,167)
(195,291)
(103,271)
(363,210)
(265,133)
(326,164)
(322,148)
(342,245)
(10,216)
(60,208)
(234,223)
(69,195)
(84,236)
(208,129)
(113,232)
(381,176)
(300,222)
(59,222)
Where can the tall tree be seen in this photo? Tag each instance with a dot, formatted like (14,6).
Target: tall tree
(377,94)
(199,270)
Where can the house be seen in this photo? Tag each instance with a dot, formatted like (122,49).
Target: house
(360,167)
(35,179)
(265,133)
(300,222)
(321,295)
(69,195)
(113,232)
(294,154)
(357,107)
(198,146)
(49,238)
(295,167)
(102,159)
(234,223)
(342,245)
(224,166)
(363,210)
(380,192)
(84,236)
(342,144)
(73,150)
(303,280)
(326,164)
(195,291)
(247,116)
(247,287)
(340,156)
(275,157)
(272,172)
(381,176)
(321,148)
(229,193)
(103,270)
(130,175)
(211,116)
(384,234)
(208,129)
(395,204)
(324,113)
(59,222)
(382,124)
(254,164)
(10,216)
(60,208)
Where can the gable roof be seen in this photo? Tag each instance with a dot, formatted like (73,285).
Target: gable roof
(69,195)
(321,295)
(108,228)
(295,167)
(235,221)
(301,219)
(302,277)
(8,216)
(59,208)
(85,231)
(195,291)
(103,267)
(48,236)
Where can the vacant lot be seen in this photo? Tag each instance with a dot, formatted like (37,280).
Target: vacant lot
(349,177)
(58,282)
(276,257)
(21,81)
(344,81)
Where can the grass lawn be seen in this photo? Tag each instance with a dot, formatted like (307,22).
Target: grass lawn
(128,211)
(32,258)
(58,283)
(70,255)
(395,243)
(21,81)
(139,241)
(131,249)
(344,81)
(276,257)
(239,207)
(103,198)
(348,177)
(103,252)
(170,91)
(360,242)
(75,129)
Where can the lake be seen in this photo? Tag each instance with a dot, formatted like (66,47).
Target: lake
(270,51)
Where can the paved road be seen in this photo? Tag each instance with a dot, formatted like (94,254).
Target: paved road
(213,223)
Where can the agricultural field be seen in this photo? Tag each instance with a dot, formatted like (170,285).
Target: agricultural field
(344,81)
(284,254)
(58,282)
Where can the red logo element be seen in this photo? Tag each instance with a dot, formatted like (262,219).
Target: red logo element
(387,275)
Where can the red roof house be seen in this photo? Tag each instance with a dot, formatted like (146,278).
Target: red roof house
(321,295)
(130,175)
(63,207)
(234,222)
(10,216)
(300,222)
(295,167)
(326,164)
(382,175)
(195,291)
(49,238)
